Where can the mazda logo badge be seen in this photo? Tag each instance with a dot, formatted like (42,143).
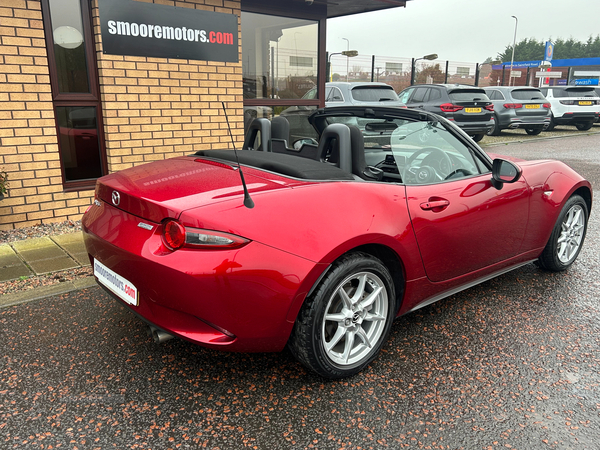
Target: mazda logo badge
(116,198)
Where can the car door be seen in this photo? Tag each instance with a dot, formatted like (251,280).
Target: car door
(461,222)
(405,95)
(418,98)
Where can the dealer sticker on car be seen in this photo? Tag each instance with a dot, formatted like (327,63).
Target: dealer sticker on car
(120,286)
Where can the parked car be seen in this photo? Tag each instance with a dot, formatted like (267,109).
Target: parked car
(339,93)
(518,107)
(320,248)
(572,105)
(467,106)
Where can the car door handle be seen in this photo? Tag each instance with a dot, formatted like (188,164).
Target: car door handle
(435,204)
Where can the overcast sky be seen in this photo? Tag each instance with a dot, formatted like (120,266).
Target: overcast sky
(462,30)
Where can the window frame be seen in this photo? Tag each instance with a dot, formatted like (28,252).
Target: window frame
(91,99)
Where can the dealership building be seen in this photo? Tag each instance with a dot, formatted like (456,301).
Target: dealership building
(88,88)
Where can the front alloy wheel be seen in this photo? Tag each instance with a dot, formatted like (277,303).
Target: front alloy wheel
(343,325)
(567,236)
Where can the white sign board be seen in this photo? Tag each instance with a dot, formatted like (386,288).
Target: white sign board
(515,73)
(548,74)
(587,73)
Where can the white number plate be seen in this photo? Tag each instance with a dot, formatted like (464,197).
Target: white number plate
(120,286)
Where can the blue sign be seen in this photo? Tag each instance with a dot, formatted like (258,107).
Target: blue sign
(585,82)
(549,51)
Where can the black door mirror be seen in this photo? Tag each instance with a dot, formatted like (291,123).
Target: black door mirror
(504,171)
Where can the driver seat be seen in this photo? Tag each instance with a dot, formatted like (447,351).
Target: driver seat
(359,163)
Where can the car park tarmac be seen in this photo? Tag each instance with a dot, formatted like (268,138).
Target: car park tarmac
(511,363)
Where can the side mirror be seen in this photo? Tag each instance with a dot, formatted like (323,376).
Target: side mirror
(504,171)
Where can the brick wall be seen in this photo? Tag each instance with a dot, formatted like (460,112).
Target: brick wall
(156,108)
(153,108)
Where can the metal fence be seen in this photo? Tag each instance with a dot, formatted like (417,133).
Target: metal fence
(397,72)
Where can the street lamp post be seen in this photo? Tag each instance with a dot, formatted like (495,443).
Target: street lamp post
(346,53)
(347,49)
(512,59)
(412,68)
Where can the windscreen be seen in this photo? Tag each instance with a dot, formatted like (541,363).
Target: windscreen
(574,92)
(527,94)
(401,148)
(468,95)
(374,94)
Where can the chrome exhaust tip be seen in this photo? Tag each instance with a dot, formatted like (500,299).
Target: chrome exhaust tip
(159,336)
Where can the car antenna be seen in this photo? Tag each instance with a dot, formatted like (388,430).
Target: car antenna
(248,203)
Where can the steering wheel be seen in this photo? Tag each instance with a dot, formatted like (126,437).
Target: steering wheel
(424,173)
(461,172)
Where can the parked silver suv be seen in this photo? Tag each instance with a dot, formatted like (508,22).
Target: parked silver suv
(518,107)
(361,93)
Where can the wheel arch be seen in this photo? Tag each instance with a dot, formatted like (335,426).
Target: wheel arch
(586,194)
(390,259)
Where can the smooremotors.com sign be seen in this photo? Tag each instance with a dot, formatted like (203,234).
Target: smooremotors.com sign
(147,29)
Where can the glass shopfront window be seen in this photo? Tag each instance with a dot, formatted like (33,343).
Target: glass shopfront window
(280,56)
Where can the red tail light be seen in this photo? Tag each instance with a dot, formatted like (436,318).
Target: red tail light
(173,235)
(490,107)
(450,107)
(546,105)
(176,236)
(513,105)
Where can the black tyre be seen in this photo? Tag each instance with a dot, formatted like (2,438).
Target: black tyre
(567,237)
(552,123)
(344,323)
(584,126)
(533,131)
(495,131)
(477,137)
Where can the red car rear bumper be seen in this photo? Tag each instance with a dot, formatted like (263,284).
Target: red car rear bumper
(235,300)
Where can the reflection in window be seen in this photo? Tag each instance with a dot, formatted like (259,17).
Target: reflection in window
(79,142)
(279,56)
(69,47)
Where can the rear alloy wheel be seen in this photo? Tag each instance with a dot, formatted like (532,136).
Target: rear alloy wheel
(584,126)
(477,137)
(344,323)
(533,131)
(567,236)
(495,131)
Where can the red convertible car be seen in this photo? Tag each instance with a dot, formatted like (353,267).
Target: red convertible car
(320,244)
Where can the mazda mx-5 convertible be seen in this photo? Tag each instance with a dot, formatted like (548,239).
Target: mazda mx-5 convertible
(318,244)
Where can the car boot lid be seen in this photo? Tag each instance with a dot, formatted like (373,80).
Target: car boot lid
(165,188)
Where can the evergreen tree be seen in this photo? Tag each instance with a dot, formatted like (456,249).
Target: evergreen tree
(531,49)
